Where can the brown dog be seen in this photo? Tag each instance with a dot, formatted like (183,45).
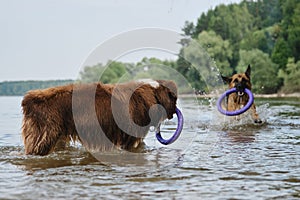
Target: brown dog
(237,100)
(100,116)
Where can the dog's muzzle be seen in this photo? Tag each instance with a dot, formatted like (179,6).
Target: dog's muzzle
(240,89)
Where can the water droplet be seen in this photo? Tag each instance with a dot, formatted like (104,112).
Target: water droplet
(152,128)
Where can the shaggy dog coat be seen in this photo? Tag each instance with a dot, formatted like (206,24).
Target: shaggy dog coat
(100,116)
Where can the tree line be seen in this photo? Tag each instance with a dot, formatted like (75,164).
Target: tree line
(262,33)
(19,88)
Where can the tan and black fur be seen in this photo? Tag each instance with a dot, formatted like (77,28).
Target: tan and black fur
(236,100)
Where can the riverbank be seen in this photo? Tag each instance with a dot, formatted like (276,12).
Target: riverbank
(276,95)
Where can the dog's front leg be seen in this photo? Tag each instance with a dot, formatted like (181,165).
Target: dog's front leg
(255,116)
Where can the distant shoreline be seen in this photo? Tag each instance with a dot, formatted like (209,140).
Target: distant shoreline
(265,96)
(19,88)
(297,94)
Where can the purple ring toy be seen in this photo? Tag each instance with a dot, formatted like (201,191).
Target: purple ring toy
(236,112)
(177,132)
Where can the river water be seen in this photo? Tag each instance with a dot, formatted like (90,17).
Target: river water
(214,158)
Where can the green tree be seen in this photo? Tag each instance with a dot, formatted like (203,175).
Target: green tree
(294,32)
(260,39)
(110,73)
(291,76)
(281,52)
(218,49)
(153,68)
(91,73)
(263,71)
(232,22)
(291,26)
(188,28)
(184,67)
(203,72)
(265,12)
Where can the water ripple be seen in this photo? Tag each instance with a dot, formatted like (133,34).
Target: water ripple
(215,160)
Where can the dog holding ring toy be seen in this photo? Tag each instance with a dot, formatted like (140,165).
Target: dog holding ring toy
(240,97)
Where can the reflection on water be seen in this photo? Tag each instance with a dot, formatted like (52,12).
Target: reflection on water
(216,157)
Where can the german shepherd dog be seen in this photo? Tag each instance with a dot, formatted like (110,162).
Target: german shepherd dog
(236,100)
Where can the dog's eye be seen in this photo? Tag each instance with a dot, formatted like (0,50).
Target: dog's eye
(172,95)
(244,80)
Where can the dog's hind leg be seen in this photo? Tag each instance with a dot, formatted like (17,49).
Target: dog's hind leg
(62,143)
(39,138)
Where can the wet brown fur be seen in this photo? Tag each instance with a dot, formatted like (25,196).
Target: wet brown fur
(48,115)
(234,101)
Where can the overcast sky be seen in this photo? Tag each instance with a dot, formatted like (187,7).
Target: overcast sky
(50,39)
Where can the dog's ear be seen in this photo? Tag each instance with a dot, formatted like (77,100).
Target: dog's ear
(234,72)
(226,79)
(248,71)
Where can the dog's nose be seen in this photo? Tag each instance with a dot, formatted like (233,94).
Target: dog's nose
(240,87)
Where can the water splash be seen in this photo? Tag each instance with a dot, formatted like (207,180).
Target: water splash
(241,122)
